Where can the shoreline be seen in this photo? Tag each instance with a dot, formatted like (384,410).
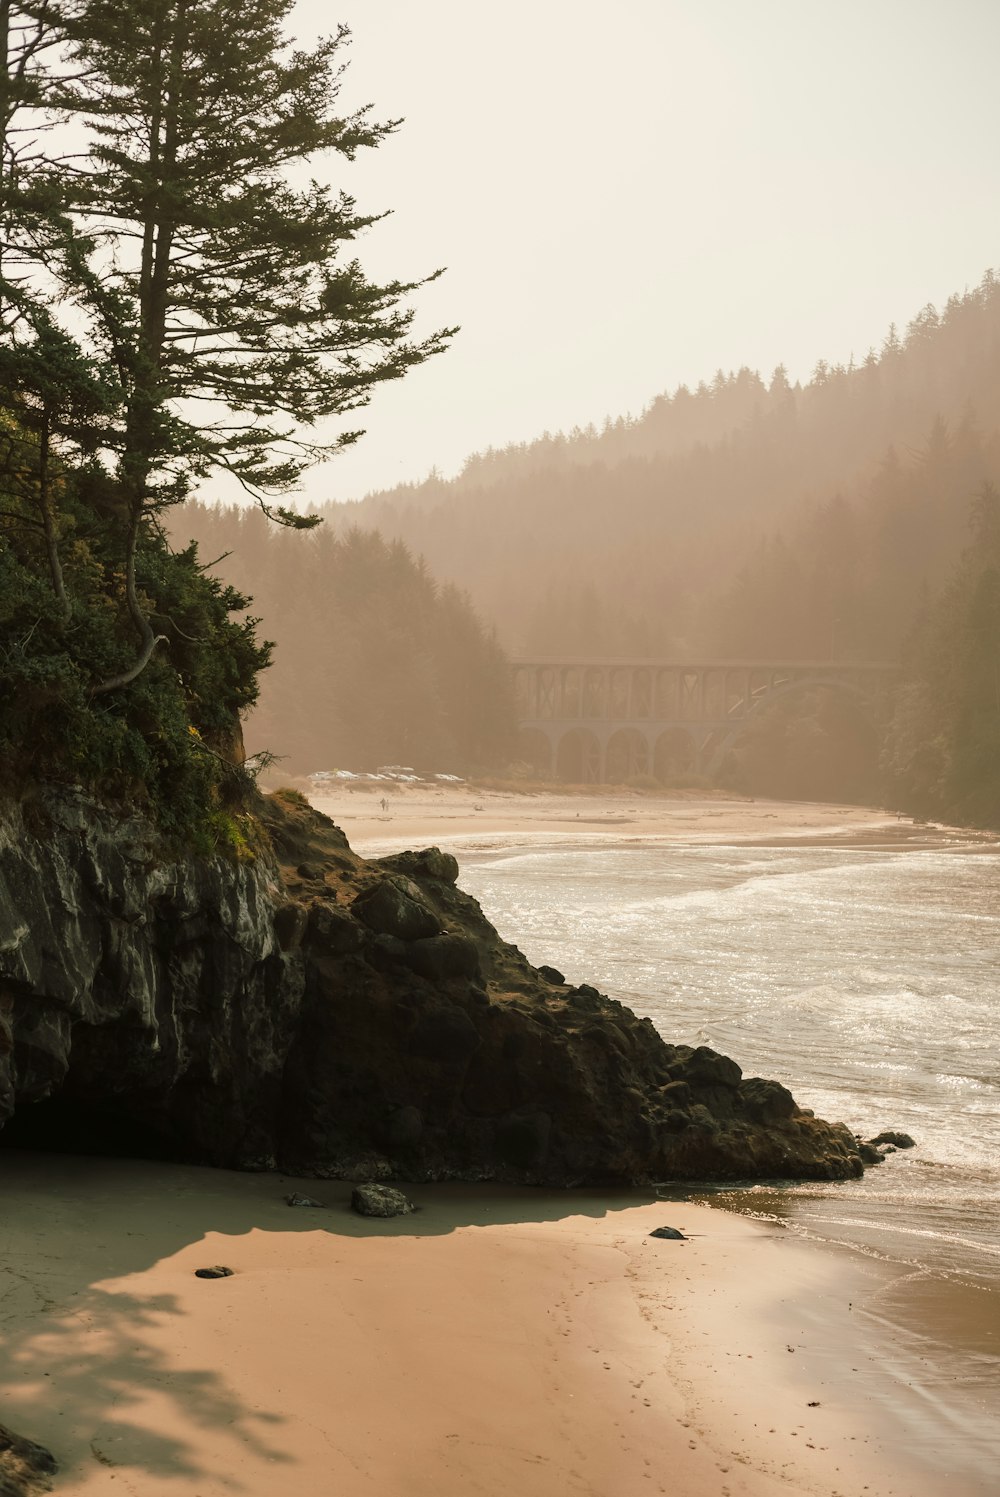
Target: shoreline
(499,1340)
(935,1389)
(462,820)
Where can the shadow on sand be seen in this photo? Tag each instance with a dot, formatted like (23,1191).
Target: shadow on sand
(79,1355)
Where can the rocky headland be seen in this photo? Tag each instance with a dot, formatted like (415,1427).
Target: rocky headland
(337,1017)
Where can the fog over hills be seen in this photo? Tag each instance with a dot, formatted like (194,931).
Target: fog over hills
(851,518)
(746,516)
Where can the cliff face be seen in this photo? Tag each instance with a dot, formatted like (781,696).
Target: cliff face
(337,1017)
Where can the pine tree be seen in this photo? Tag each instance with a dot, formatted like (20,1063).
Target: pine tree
(218,286)
(55,399)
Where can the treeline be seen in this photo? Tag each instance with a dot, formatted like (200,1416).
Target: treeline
(375,663)
(742,516)
(942,756)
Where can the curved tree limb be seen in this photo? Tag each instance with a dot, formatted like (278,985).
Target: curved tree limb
(134,670)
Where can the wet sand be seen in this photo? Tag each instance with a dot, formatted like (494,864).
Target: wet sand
(496,1342)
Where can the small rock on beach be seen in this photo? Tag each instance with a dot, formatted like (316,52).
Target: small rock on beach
(380,1200)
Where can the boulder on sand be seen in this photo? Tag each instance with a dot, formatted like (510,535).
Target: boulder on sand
(380,1200)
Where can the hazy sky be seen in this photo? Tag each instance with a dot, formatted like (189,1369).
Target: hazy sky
(633,196)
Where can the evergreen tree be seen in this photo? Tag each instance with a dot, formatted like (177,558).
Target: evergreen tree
(176,297)
(219,288)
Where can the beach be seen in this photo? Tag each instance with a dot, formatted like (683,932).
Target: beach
(496,1341)
(458,817)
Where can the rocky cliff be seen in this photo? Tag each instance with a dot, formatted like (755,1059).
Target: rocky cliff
(337,1017)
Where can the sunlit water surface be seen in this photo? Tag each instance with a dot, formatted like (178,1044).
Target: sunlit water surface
(865,980)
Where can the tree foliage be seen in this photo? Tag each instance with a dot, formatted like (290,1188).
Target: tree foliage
(179,295)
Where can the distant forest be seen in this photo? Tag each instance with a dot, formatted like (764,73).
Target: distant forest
(745,517)
(849,518)
(375,662)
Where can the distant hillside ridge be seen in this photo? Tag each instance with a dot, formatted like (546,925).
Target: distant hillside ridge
(744,516)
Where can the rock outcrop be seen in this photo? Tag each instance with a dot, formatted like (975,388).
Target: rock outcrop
(26,1469)
(339,1017)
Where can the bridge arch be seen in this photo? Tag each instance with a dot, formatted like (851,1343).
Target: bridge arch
(579,759)
(762,699)
(535,748)
(627,756)
(674,753)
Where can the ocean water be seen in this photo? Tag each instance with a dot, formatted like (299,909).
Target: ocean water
(866,980)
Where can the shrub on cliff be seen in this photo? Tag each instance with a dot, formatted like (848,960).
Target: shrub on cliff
(165,742)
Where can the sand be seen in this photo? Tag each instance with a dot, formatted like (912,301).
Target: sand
(496,1342)
(462,818)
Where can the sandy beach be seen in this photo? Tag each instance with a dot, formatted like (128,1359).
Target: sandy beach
(497,1341)
(463,817)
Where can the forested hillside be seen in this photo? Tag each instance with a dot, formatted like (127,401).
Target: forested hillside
(849,518)
(743,517)
(374,664)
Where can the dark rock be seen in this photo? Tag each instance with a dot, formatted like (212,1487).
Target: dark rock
(523,1141)
(290,925)
(334,929)
(217,1271)
(387,953)
(168,1006)
(444,1034)
(586,998)
(702,1120)
(25,1468)
(430,862)
(676,1093)
(403,1128)
(868,1154)
(380,1200)
(297,1199)
(395,907)
(767,1101)
(704,1067)
(670,1233)
(898,1140)
(553,975)
(443,957)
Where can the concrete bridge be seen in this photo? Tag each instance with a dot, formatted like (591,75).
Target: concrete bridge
(604,721)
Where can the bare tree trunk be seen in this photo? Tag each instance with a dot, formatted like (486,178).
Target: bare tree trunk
(148,640)
(145,373)
(49,519)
